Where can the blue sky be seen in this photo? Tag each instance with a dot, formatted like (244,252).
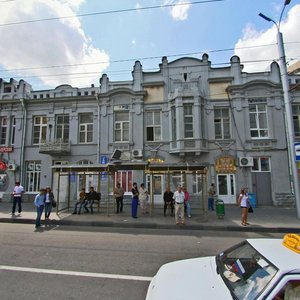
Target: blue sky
(78,50)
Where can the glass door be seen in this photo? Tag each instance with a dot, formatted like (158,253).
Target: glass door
(226,188)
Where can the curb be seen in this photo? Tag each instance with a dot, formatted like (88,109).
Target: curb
(253,228)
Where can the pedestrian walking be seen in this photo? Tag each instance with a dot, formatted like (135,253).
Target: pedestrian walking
(187,203)
(135,200)
(49,200)
(211,195)
(179,205)
(143,197)
(39,203)
(168,201)
(17,198)
(243,202)
(119,196)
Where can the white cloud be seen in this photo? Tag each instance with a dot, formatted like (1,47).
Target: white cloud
(49,43)
(263,56)
(179,11)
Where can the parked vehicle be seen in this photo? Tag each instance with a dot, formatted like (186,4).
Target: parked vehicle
(254,269)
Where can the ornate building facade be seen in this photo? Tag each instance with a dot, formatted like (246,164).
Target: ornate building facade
(226,121)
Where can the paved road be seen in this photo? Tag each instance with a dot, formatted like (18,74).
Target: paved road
(101,263)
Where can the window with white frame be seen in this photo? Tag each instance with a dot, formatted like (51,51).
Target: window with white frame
(258,119)
(87,179)
(86,128)
(62,128)
(39,129)
(261,164)
(177,179)
(198,182)
(12,130)
(121,126)
(32,176)
(222,123)
(188,120)
(3,130)
(153,126)
(296,119)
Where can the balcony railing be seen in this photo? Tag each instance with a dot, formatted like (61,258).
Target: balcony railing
(55,147)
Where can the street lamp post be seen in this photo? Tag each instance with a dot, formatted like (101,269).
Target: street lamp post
(288,109)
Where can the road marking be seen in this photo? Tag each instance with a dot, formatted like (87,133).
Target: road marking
(74,273)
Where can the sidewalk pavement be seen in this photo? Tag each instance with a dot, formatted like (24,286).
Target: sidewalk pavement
(264,219)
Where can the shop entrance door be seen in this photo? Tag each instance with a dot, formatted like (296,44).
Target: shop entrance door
(226,189)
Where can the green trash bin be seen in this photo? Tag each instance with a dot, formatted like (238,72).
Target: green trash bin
(220,208)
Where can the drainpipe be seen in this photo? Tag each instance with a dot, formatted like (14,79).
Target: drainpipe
(22,152)
(99,128)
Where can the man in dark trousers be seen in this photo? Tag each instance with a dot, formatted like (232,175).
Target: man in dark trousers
(90,199)
(17,194)
(119,194)
(168,200)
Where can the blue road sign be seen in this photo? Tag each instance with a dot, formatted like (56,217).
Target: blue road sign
(104,160)
(297,151)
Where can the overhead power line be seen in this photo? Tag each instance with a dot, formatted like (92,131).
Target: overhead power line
(140,58)
(111,12)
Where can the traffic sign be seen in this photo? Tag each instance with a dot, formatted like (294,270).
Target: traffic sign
(297,151)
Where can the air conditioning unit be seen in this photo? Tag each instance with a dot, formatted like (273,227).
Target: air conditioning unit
(11,167)
(137,153)
(246,161)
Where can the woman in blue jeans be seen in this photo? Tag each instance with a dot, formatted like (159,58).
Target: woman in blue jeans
(135,200)
(39,203)
(49,198)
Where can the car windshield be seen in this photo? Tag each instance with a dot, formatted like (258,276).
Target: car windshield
(245,271)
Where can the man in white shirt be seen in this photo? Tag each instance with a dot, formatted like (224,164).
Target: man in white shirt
(179,205)
(17,194)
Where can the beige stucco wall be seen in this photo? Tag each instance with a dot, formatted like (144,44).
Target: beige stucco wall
(218,90)
(154,94)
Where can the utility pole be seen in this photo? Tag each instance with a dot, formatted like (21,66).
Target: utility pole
(290,133)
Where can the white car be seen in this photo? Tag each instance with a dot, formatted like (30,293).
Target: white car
(253,269)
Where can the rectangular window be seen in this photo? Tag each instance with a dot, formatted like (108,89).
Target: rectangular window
(296,118)
(188,120)
(12,130)
(199,180)
(33,176)
(258,120)
(39,129)
(174,124)
(62,128)
(222,123)
(121,126)
(261,164)
(86,128)
(176,179)
(3,130)
(153,126)
(125,179)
